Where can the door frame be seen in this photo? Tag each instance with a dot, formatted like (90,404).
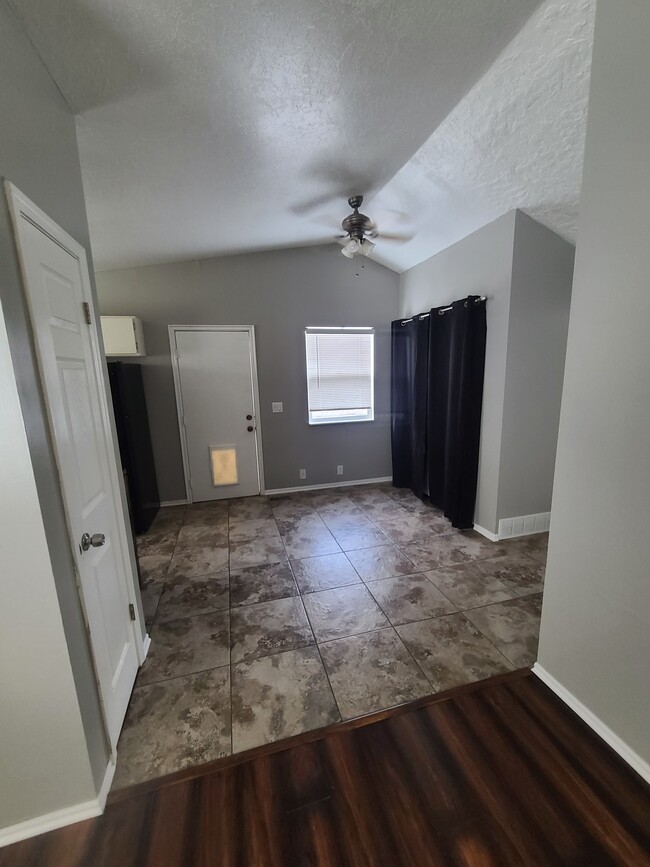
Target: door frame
(172,329)
(20,208)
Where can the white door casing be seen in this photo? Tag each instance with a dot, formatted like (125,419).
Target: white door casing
(215,377)
(57,287)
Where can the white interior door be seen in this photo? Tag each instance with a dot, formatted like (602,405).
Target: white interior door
(56,284)
(215,379)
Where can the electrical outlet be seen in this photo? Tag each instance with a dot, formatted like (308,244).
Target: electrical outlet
(339,470)
(276,406)
(303,474)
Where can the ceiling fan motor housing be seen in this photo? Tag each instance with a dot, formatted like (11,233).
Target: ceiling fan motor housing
(356,225)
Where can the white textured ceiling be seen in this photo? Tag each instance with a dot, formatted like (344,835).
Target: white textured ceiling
(516,140)
(216,127)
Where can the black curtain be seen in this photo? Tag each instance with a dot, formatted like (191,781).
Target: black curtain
(402,382)
(438,363)
(409,391)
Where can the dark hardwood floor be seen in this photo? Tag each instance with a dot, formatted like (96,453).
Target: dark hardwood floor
(496,774)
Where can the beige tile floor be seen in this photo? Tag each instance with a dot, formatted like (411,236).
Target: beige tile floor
(271,617)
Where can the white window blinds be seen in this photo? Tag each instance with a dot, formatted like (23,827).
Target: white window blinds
(340,374)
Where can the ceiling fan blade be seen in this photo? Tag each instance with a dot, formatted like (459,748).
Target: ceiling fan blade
(390,215)
(313,204)
(390,236)
(332,225)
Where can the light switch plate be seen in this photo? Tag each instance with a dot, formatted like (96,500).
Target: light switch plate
(276,406)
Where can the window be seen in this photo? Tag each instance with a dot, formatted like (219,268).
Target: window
(340,374)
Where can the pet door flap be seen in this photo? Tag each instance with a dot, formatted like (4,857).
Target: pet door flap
(223,462)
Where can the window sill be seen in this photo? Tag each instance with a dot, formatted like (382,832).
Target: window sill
(339,421)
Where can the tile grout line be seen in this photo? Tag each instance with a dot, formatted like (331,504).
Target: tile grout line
(501,601)
(322,661)
(403,643)
(299,596)
(183,674)
(210,611)
(487,638)
(232,736)
(162,589)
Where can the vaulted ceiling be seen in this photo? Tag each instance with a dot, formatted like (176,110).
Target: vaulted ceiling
(207,128)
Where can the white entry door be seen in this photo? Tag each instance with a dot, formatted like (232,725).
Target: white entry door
(215,382)
(56,281)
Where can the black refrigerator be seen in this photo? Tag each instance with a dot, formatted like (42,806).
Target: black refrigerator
(134,439)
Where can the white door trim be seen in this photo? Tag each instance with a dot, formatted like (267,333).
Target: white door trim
(172,329)
(21,207)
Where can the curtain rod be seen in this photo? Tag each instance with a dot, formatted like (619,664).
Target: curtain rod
(441,311)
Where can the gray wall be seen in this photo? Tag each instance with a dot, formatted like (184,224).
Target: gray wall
(38,153)
(540,299)
(480,264)
(279,292)
(595,633)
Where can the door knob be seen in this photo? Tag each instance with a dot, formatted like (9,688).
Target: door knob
(250,428)
(94,541)
(249,417)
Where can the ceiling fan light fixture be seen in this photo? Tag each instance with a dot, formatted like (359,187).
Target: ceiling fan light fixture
(366,247)
(352,246)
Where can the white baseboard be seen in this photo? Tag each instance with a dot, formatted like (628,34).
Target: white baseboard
(146,644)
(493,537)
(50,822)
(107,782)
(274,491)
(619,746)
(166,503)
(60,818)
(524,525)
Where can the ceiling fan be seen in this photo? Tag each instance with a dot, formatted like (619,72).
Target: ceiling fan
(361,232)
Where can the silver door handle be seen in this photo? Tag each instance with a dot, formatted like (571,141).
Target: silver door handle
(94,541)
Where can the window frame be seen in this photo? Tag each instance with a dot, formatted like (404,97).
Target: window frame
(349,329)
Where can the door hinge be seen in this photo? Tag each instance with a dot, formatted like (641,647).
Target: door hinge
(86,307)
(131,611)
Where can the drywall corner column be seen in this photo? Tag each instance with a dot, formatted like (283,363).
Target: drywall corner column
(44,762)
(540,299)
(595,631)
